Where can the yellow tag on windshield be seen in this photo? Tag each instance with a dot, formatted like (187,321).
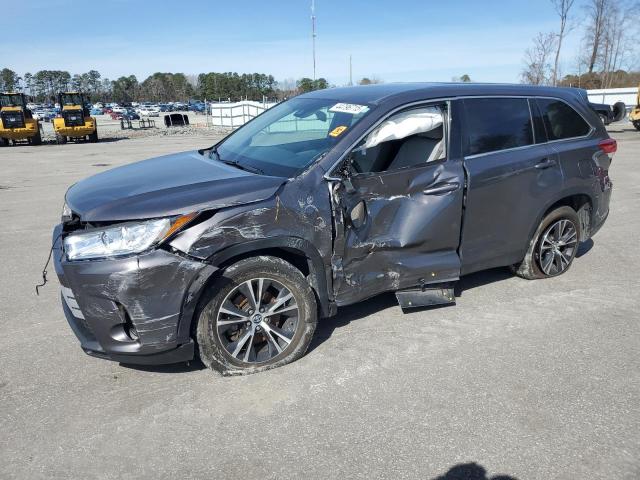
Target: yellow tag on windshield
(336,132)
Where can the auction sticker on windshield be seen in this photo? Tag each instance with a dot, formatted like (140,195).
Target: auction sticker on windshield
(351,108)
(336,132)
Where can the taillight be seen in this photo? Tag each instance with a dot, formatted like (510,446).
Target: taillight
(608,146)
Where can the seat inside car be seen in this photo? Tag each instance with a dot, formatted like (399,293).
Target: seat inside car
(419,149)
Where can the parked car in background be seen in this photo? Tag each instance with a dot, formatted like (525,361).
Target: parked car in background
(148,111)
(198,107)
(131,114)
(95,111)
(44,115)
(607,113)
(118,109)
(237,249)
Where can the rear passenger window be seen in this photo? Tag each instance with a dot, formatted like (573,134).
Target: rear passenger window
(561,120)
(497,124)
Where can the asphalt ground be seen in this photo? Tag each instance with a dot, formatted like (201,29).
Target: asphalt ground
(530,379)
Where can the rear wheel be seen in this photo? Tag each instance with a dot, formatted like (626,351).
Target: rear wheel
(60,139)
(4,142)
(260,314)
(37,138)
(93,137)
(637,124)
(553,247)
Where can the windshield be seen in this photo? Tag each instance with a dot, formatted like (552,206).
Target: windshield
(11,100)
(71,99)
(288,137)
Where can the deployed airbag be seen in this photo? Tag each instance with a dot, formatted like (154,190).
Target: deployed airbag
(404,125)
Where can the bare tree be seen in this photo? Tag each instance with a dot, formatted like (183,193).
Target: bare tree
(617,39)
(562,9)
(596,20)
(537,69)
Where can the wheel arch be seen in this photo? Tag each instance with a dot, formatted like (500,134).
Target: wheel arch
(576,199)
(297,251)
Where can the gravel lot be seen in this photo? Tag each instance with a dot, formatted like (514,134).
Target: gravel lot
(535,380)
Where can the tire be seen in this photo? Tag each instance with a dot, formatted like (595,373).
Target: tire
(4,142)
(60,139)
(37,138)
(254,340)
(619,111)
(535,263)
(636,124)
(604,119)
(93,137)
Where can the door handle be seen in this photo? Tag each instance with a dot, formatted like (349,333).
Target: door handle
(442,188)
(545,163)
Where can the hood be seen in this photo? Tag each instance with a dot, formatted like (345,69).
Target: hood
(169,185)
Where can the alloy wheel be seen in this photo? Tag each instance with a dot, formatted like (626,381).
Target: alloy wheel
(257,320)
(557,247)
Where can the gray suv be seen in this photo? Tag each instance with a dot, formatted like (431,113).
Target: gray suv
(232,253)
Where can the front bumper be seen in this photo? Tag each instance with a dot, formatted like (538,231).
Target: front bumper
(155,293)
(80,131)
(28,131)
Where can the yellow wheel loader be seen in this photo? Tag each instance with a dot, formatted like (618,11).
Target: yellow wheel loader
(16,122)
(74,121)
(634,116)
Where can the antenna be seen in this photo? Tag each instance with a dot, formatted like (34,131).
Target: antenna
(313,34)
(350,71)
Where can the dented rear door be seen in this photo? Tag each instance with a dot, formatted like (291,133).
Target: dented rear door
(398,229)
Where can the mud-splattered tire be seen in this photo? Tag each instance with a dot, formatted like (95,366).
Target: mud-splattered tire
(242,331)
(533,266)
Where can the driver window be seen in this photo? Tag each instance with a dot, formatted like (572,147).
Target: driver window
(410,138)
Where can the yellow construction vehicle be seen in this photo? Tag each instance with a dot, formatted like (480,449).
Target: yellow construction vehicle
(634,116)
(74,121)
(16,121)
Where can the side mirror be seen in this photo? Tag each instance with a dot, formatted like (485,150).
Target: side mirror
(346,173)
(320,115)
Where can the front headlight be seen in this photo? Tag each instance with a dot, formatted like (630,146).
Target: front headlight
(122,239)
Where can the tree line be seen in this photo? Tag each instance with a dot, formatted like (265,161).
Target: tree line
(607,56)
(44,85)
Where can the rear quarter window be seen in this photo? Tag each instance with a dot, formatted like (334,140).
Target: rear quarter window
(495,124)
(561,120)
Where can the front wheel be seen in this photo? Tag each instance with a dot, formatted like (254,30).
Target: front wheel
(636,124)
(260,314)
(60,139)
(553,246)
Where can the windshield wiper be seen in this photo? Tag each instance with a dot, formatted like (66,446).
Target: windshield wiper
(243,167)
(247,168)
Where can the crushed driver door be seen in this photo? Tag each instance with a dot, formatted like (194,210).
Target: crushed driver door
(399,228)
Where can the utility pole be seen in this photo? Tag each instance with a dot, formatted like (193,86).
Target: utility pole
(313,35)
(350,71)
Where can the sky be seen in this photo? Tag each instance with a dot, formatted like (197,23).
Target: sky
(393,40)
